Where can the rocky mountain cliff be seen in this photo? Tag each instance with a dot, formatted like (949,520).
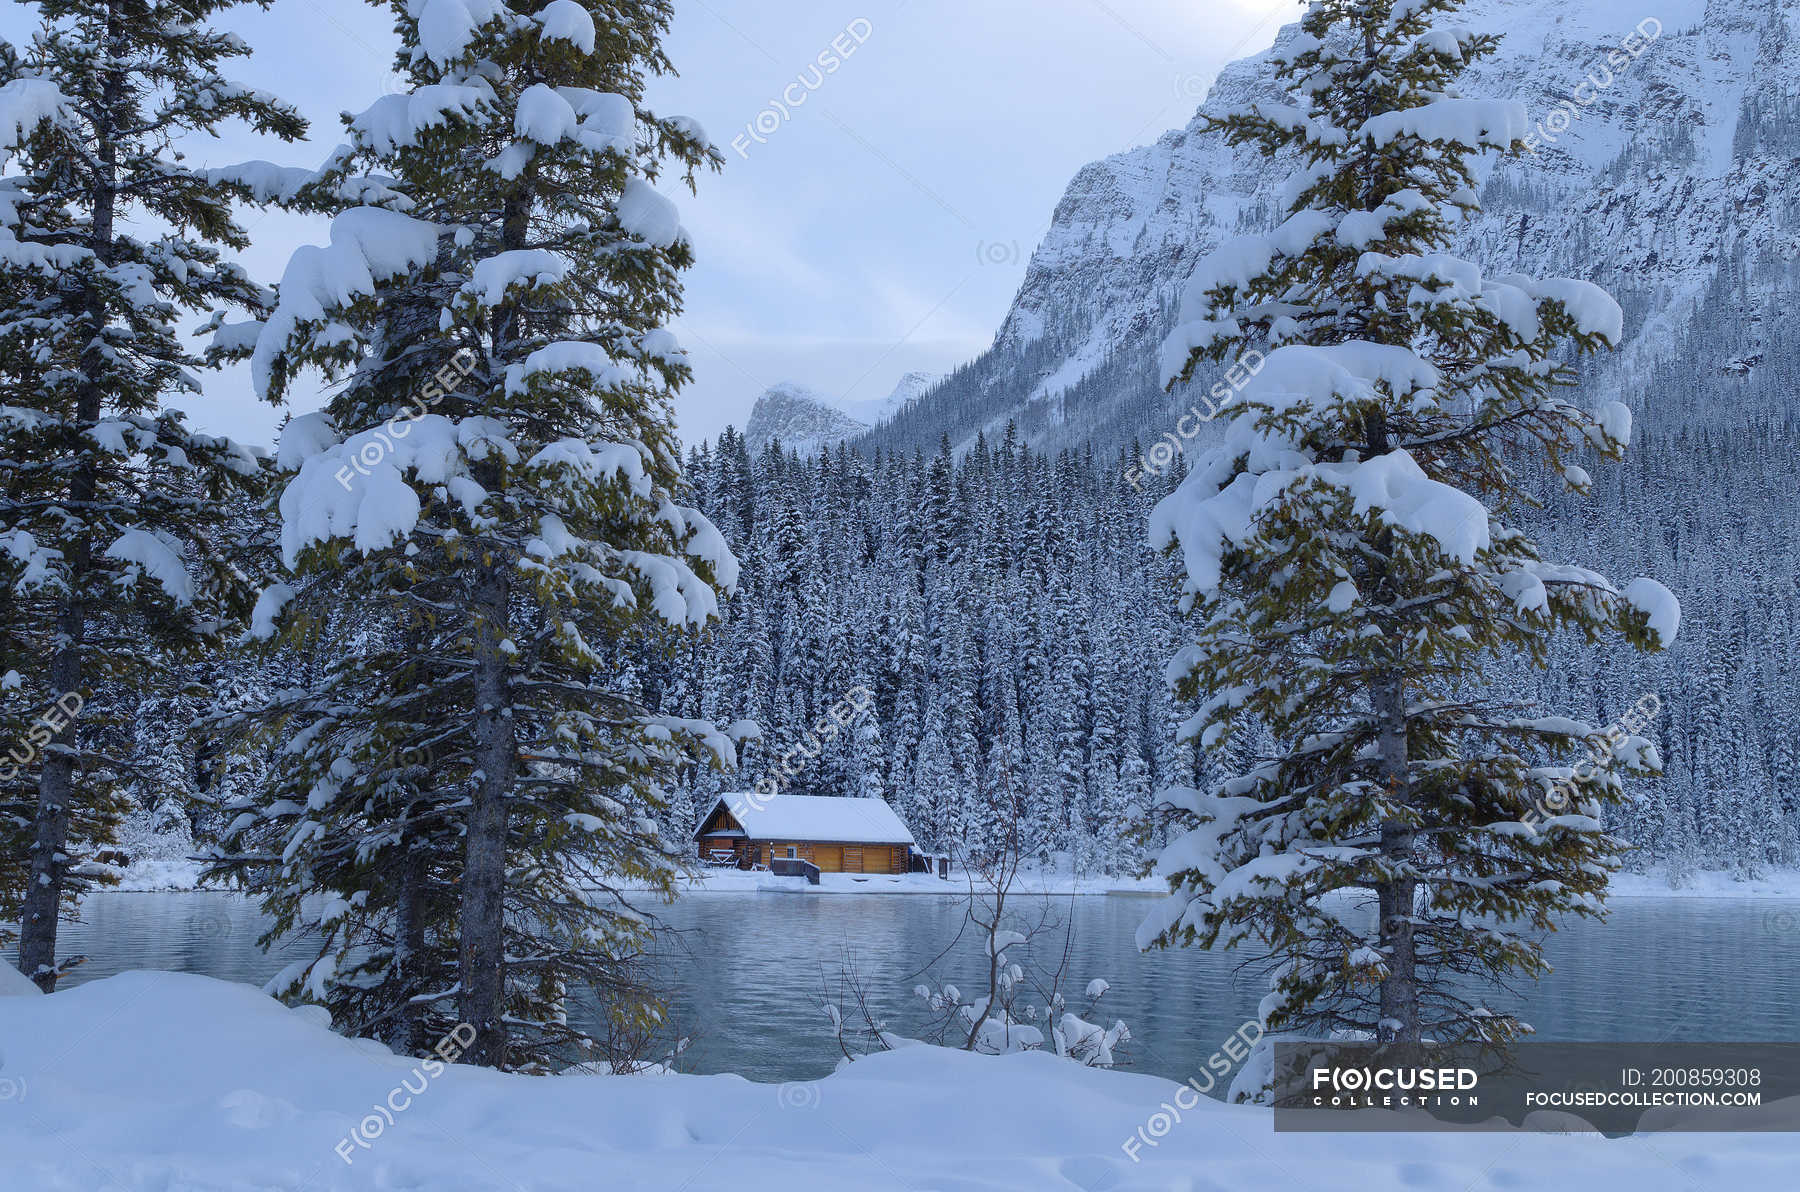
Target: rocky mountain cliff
(1667,159)
(801,419)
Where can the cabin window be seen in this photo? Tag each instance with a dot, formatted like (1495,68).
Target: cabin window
(792,852)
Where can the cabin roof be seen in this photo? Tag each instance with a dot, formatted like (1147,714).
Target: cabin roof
(811,817)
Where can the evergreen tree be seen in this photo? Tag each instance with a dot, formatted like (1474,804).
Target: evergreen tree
(115,553)
(1350,561)
(510,487)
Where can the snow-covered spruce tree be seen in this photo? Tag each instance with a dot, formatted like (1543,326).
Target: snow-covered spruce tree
(1349,559)
(510,485)
(348,838)
(114,553)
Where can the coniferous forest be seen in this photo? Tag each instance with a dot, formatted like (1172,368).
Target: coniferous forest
(1010,617)
(1009,614)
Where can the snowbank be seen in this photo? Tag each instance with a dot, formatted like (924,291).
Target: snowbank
(1653,883)
(737,881)
(171,1081)
(149,874)
(1705,883)
(160,849)
(13,983)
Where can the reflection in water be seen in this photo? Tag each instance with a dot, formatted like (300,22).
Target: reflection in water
(747,971)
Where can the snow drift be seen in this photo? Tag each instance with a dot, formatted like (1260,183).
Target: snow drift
(169,1081)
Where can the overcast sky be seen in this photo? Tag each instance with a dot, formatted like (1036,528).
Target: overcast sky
(879,226)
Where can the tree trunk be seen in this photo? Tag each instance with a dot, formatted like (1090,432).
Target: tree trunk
(482,957)
(41,911)
(404,1035)
(1399,1027)
(39,915)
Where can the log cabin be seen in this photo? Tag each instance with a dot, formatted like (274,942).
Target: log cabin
(839,835)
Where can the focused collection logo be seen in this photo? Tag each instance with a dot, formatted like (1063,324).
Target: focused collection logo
(1393,1088)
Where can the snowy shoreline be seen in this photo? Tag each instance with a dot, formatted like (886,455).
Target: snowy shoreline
(176,877)
(1778,884)
(733,881)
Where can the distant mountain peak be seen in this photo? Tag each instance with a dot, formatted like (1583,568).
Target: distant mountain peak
(805,420)
(911,388)
(801,419)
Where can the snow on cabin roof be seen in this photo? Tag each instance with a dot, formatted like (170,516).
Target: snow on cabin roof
(812,817)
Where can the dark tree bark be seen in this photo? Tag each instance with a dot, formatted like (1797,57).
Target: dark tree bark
(482,957)
(39,915)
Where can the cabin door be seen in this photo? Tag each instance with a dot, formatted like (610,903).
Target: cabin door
(829,857)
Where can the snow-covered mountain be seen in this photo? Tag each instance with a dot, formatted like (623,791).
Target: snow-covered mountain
(802,419)
(1655,172)
(806,420)
(911,388)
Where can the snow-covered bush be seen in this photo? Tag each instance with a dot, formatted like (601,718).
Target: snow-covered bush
(1022,1009)
(1001,1025)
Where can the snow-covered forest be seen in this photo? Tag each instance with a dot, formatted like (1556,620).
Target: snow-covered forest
(1007,611)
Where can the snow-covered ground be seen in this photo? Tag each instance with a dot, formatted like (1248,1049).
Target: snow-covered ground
(1660,883)
(180,1083)
(160,875)
(152,873)
(160,860)
(725,881)
(178,874)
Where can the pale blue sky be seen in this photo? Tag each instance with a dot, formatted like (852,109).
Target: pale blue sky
(883,224)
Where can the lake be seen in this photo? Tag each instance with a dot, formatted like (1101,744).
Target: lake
(747,970)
